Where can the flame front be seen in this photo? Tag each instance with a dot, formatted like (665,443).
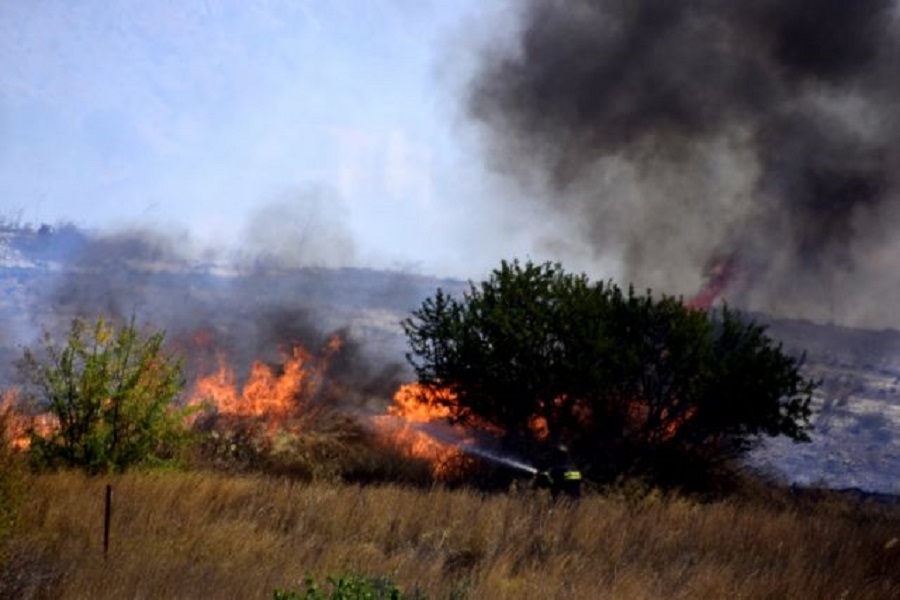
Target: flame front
(264,393)
(415,405)
(18,425)
(271,394)
(419,403)
(282,396)
(719,275)
(660,427)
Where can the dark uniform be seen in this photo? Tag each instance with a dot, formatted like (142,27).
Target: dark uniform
(563,479)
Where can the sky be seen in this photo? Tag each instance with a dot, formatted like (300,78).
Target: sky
(440,137)
(327,132)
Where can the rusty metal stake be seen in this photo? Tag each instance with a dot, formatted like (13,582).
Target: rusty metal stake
(106,513)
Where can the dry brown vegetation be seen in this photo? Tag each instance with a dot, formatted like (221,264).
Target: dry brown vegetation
(202,534)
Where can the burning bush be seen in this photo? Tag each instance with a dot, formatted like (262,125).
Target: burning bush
(295,418)
(416,424)
(11,477)
(546,358)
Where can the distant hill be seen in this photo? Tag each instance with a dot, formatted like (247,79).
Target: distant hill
(47,276)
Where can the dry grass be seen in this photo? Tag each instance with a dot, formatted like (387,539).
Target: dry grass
(195,535)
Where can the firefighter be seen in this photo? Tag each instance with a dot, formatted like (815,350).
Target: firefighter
(563,477)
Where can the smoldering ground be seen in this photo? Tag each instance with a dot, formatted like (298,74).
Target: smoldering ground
(679,135)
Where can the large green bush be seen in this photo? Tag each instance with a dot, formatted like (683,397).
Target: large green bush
(628,381)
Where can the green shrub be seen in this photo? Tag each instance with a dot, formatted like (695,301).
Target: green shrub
(630,383)
(347,587)
(359,587)
(112,392)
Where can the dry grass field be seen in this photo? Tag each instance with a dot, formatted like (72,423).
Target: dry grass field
(209,535)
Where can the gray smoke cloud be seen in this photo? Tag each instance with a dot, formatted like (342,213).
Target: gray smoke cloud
(681,135)
(304,228)
(243,311)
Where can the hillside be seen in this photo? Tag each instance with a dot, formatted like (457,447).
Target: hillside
(856,442)
(250,311)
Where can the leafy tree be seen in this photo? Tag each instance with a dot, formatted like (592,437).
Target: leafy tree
(111,391)
(627,381)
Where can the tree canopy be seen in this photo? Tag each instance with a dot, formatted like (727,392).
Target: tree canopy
(111,391)
(625,380)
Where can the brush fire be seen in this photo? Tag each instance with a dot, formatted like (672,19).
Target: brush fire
(284,398)
(19,423)
(270,394)
(416,409)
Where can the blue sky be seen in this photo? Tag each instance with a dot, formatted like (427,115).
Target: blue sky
(330,131)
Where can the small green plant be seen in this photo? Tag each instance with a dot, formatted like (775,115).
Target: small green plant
(348,587)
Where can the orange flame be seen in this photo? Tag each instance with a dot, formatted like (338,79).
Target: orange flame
(539,423)
(540,428)
(416,404)
(19,426)
(719,275)
(270,394)
(671,425)
(666,424)
(419,403)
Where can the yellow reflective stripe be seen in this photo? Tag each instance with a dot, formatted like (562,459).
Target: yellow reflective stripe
(572,476)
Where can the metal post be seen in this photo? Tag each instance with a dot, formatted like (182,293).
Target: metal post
(106,514)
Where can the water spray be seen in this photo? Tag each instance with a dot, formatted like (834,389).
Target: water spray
(446,435)
(468,448)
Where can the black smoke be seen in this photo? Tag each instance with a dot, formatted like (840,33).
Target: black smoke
(679,134)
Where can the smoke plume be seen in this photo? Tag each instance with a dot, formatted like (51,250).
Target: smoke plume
(681,135)
(246,311)
(305,228)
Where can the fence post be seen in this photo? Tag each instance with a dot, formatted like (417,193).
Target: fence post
(106,514)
